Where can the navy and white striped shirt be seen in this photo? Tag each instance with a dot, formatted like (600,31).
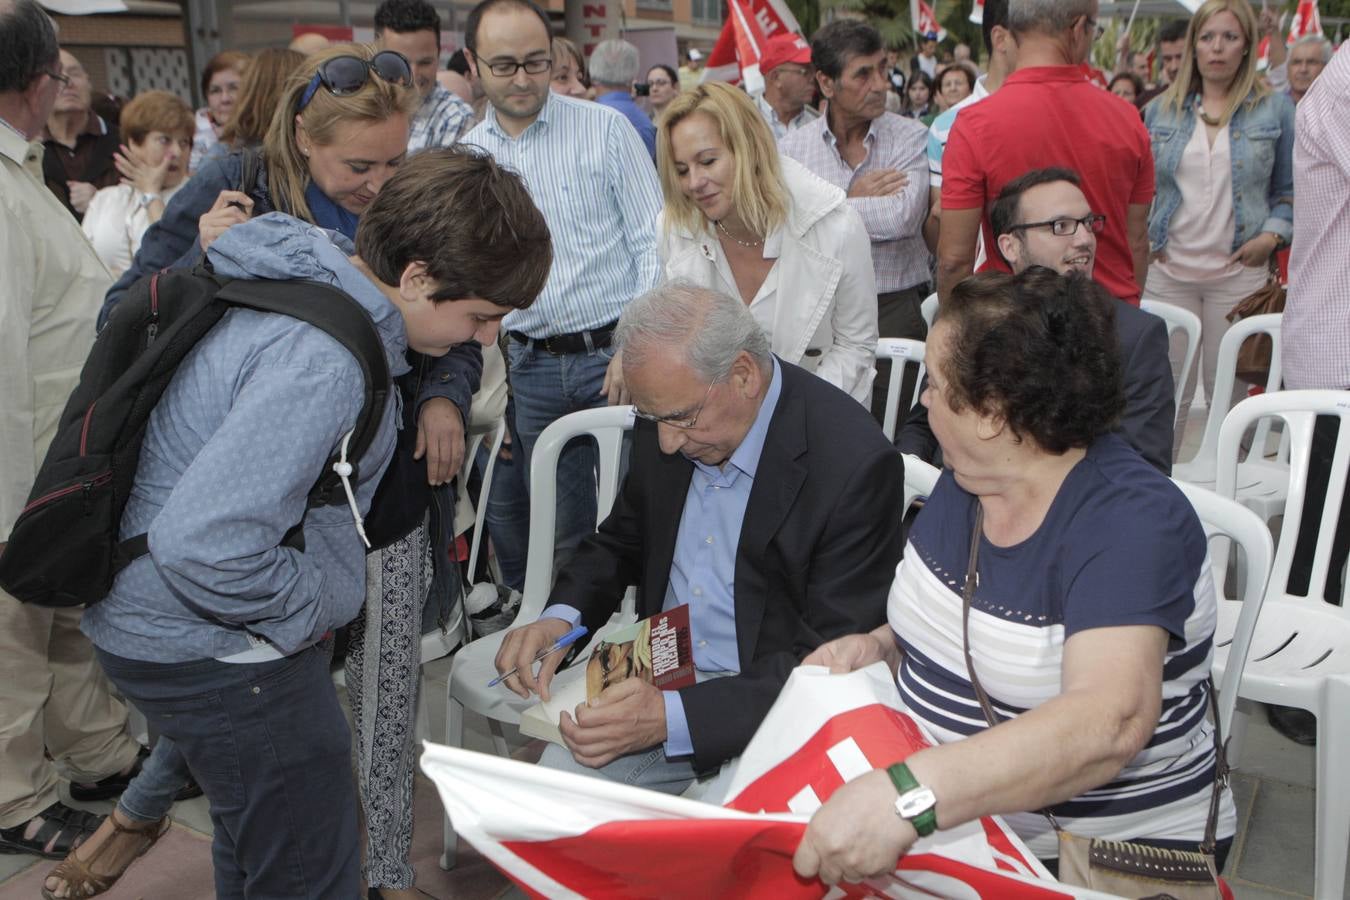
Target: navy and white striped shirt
(591,177)
(1120,545)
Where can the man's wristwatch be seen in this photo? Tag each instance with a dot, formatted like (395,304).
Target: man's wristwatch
(916,804)
(145,198)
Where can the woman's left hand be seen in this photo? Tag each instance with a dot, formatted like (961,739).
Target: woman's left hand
(145,178)
(856,834)
(1256,252)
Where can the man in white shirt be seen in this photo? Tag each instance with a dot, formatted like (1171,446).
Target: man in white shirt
(589,173)
(789,84)
(56,714)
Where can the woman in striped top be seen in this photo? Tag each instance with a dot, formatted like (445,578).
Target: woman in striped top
(1092,619)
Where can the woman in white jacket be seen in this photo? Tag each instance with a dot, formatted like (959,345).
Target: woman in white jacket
(743,220)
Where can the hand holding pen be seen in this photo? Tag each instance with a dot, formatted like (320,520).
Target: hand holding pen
(510,649)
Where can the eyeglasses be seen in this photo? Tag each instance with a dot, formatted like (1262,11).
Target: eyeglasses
(1065,226)
(345,75)
(654,82)
(678,420)
(508,68)
(57,76)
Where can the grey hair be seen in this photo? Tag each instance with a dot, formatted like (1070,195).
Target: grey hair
(1045,16)
(614,62)
(27,44)
(710,326)
(1314,39)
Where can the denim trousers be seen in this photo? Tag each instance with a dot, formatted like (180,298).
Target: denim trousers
(545,388)
(269,745)
(507,518)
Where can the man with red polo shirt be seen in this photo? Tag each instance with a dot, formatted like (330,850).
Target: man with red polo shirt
(1049,114)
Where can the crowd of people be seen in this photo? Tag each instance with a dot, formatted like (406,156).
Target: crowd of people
(534,231)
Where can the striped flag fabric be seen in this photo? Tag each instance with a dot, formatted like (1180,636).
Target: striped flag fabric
(562,835)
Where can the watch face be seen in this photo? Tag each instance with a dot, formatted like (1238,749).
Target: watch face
(915,802)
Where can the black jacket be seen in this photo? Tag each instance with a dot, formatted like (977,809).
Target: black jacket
(817,552)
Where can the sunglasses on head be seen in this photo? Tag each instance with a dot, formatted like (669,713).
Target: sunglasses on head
(343,76)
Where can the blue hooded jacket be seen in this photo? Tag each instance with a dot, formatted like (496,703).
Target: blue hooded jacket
(230,453)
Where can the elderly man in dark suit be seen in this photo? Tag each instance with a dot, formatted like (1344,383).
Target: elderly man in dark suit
(1043,219)
(761,496)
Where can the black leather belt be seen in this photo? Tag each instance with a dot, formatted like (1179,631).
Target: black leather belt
(561,344)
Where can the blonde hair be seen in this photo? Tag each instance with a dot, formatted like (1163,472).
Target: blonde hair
(263,82)
(377,100)
(1247,87)
(758,193)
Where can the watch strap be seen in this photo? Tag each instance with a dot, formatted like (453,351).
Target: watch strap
(925,823)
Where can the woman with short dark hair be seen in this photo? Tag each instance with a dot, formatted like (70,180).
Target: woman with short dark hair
(1091,607)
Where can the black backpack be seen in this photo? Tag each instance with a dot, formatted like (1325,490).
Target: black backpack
(65,547)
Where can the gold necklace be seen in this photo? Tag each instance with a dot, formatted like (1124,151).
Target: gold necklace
(722,228)
(1211,121)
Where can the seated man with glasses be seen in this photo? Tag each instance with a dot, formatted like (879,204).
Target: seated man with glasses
(1043,219)
(759,495)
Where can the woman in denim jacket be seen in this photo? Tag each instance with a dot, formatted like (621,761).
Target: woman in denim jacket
(1223,150)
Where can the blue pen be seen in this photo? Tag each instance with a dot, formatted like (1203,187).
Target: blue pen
(566,640)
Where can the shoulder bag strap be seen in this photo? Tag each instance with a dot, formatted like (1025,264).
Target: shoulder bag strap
(967,595)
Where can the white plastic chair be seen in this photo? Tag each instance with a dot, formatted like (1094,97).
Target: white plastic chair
(474,665)
(1178,319)
(1299,653)
(1226,523)
(899,351)
(928,309)
(1262,484)
(920,477)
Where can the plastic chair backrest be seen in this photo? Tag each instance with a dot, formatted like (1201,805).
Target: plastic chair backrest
(920,477)
(607,426)
(476,438)
(928,309)
(1178,319)
(1227,521)
(1299,411)
(899,351)
(1226,374)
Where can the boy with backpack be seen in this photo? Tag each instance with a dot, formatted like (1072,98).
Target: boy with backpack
(218,632)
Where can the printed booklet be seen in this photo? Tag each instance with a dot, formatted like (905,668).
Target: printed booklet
(657,649)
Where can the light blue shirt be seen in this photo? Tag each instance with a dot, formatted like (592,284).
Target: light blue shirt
(703,569)
(623,104)
(591,177)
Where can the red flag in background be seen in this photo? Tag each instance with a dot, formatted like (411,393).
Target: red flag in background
(1306,21)
(977,12)
(925,21)
(748,24)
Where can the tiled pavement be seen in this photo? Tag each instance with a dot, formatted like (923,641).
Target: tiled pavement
(1272,857)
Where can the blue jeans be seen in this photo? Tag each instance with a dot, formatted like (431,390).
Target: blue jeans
(163,774)
(270,746)
(547,387)
(507,519)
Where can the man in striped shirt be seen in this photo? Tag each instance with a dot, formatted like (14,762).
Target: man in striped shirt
(590,175)
(878,159)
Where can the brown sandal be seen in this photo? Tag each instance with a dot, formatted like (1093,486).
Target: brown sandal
(82,881)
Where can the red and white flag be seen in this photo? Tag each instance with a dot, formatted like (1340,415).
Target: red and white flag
(1306,21)
(924,20)
(561,835)
(749,23)
(977,12)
